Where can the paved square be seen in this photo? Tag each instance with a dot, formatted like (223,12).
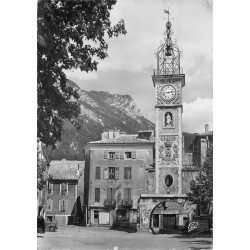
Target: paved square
(74,237)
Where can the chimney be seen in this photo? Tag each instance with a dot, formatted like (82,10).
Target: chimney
(116,133)
(105,135)
(110,134)
(206,128)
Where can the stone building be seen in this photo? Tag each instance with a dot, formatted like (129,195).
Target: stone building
(118,169)
(65,191)
(200,145)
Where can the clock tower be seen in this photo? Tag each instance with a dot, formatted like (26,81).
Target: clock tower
(167,206)
(168,81)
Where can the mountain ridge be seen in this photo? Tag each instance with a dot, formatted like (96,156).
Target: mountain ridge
(100,110)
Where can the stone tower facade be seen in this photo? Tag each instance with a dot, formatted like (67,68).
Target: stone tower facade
(168,131)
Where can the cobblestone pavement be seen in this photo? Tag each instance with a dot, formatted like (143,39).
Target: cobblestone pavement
(74,237)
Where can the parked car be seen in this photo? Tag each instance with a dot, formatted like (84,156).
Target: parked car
(51,226)
(40,225)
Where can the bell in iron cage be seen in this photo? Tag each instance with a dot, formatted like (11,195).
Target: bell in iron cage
(168,51)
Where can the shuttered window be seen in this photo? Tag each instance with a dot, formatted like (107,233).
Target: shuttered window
(111,173)
(63,205)
(122,155)
(127,194)
(133,154)
(105,173)
(49,204)
(117,155)
(128,155)
(105,154)
(110,194)
(127,173)
(97,173)
(111,155)
(97,194)
(50,188)
(64,188)
(117,173)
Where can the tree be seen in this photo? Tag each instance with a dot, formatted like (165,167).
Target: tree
(201,190)
(42,165)
(70,36)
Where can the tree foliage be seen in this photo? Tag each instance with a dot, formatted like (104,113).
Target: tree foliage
(201,190)
(71,35)
(42,164)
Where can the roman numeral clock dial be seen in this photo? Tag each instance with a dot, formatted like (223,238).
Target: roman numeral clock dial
(167,92)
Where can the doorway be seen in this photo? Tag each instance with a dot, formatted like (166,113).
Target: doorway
(96,217)
(169,221)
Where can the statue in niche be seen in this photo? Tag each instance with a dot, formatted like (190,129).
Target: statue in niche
(168,119)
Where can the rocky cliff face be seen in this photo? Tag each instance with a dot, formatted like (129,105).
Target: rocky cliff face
(99,111)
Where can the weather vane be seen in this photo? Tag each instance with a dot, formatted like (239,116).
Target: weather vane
(167,11)
(168,54)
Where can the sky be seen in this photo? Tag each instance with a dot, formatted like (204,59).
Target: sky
(131,61)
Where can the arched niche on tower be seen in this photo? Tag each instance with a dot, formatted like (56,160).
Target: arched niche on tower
(168,119)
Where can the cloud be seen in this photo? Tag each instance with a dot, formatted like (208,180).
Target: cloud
(131,61)
(196,114)
(79,75)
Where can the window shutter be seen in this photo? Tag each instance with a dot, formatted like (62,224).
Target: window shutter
(133,154)
(122,155)
(112,194)
(109,190)
(125,194)
(105,174)
(105,154)
(129,173)
(98,173)
(117,155)
(66,205)
(97,194)
(60,205)
(129,194)
(117,173)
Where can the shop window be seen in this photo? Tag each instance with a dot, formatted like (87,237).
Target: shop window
(97,194)
(169,180)
(97,173)
(127,173)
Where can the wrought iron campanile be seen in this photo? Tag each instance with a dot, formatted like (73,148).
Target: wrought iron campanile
(168,54)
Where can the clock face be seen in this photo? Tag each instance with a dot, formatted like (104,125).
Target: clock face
(167,92)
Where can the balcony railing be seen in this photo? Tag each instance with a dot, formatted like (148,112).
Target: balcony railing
(109,203)
(158,72)
(127,203)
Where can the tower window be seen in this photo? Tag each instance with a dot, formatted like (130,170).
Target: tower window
(168,119)
(169,180)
